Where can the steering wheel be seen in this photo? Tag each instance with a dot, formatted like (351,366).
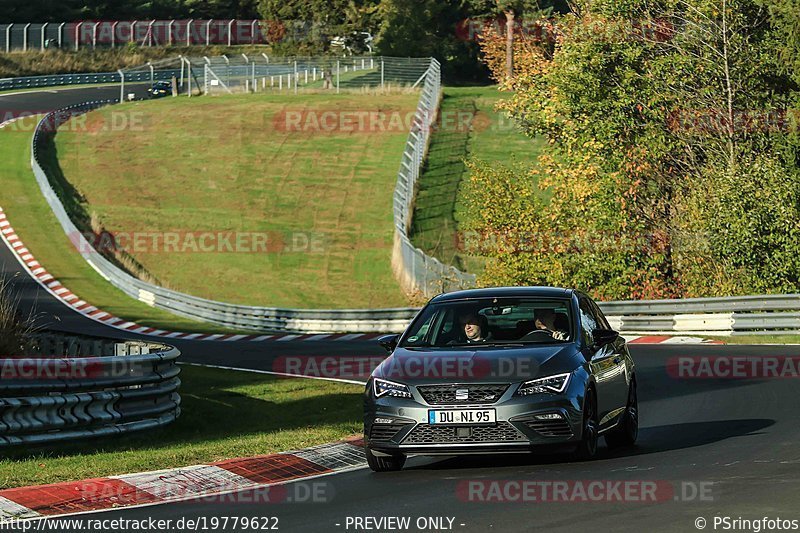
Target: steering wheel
(532,335)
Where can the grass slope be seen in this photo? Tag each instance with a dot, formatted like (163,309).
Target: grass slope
(36,225)
(493,138)
(226,165)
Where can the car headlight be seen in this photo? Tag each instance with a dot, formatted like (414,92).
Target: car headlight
(382,387)
(550,384)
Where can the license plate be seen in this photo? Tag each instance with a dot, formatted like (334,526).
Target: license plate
(462,416)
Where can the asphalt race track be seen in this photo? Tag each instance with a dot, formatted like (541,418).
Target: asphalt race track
(712,447)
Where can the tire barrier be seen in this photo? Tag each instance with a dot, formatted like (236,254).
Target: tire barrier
(48,395)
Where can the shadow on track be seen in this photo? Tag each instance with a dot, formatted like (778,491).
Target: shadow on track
(651,440)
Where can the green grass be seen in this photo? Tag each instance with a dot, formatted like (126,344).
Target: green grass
(439,204)
(759,339)
(221,165)
(226,414)
(38,228)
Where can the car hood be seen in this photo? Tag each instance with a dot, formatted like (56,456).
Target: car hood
(480,365)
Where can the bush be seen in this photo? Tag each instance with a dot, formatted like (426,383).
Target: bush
(15,329)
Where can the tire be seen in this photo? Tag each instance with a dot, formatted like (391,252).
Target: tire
(626,433)
(392,463)
(587,448)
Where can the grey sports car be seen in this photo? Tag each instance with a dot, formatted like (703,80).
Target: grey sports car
(501,370)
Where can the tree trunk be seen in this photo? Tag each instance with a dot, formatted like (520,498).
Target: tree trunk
(510,15)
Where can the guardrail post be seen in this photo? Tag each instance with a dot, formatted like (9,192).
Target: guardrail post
(122,86)
(25,37)
(189,77)
(114,34)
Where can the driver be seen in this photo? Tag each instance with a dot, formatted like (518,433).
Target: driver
(545,320)
(475,328)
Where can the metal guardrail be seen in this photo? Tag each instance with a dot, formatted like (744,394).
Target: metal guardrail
(733,315)
(61,80)
(417,272)
(48,396)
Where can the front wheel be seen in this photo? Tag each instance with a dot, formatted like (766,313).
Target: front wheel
(391,463)
(626,433)
(587,448)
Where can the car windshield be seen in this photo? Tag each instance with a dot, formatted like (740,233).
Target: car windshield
(491,322)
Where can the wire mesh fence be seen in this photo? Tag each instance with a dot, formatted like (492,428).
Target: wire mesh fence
(293,74)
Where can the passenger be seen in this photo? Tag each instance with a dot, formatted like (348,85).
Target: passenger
(545,320)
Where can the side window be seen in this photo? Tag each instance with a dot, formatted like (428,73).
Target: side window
(600,317)
(588,321)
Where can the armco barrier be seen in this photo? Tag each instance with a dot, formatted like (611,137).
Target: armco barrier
(59,80)
(714,316)
(48,395)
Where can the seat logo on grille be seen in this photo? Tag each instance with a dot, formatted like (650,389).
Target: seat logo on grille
(462,394)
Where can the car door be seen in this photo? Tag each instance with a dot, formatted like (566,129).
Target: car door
(607,363)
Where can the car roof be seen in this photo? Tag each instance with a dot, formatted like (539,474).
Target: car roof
(505,292)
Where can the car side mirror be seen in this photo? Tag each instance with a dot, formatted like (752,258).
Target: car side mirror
(603,337)
(389,342)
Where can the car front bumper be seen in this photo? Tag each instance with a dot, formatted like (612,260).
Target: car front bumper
(523,423)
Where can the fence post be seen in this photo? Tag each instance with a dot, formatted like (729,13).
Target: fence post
(337,76)
(169,32)
(43,36)
(189,32)
(208,32)
(189,77)
(25,37)
(296,78)
(8,37)
(253,76)
(78,35)
(230,32)
(61,34)
(253,36)
(121,86)
(114,34)
(383,73)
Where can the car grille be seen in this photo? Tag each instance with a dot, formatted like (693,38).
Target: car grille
(433,434)
(477,394)
(384,432)
(549,428)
